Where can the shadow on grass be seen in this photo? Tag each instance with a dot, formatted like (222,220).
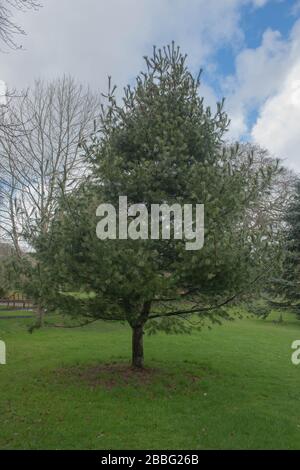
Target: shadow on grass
(115,375)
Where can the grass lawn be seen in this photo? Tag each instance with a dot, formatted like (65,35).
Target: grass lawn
(7,312)
(233,387)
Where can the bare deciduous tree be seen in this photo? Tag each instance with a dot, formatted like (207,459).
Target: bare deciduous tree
(269,211)
(41,159)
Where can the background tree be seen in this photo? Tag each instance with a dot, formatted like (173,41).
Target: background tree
(8,27)
(160,146)
(269,212)
(41,161)
(5,252)
(283,291)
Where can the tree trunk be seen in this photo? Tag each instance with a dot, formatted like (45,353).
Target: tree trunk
(138,347)
(40,317)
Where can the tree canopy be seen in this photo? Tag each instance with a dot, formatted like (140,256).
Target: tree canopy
(159,145)
(283,289)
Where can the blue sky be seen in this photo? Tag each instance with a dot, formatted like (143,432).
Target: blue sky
(249,50)
(278,16)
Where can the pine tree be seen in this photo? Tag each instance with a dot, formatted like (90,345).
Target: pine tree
(160,146)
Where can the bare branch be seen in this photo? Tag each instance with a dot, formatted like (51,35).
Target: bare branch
(41,159)
(9,29)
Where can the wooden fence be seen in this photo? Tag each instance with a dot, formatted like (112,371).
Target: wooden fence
(16,302)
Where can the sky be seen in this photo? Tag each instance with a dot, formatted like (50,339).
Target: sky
(249,51)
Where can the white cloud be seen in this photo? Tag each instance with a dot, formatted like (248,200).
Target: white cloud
(267,82)
(296,8)
(259,73)
(278,125)
(259,3)
(93,39)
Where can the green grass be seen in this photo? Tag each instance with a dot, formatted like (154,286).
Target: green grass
(233,387)
(6,312)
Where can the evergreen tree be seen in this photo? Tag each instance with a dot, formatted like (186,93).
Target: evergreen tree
(160,146)
(285,288)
